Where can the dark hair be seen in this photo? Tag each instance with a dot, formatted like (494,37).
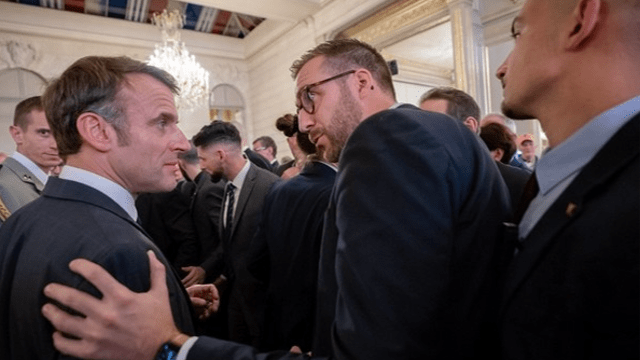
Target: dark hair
(288,124)
(267,142)
(190,156)
(217,132)
(348,54)
(497,136)
(25,107)
(92,84)
(460,104)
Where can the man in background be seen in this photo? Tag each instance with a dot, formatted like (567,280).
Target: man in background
(265,146)
(527,157)
(24,174)
(220,152)
(455,103)
(462,107)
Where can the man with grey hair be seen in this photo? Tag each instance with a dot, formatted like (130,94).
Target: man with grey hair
(115,124)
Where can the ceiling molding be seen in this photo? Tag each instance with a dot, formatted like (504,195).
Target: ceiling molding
(284,10)
(428,70)
(20,19)
(398,21)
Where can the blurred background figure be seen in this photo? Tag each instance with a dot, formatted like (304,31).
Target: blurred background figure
(455,103)
(167,218)
(286,250)
(299,143)
(502,147)
(527,156)
(265,146)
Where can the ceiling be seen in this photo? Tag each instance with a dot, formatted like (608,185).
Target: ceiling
(237,18)
(202,17)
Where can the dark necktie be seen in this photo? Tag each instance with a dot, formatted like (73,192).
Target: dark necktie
(231,189)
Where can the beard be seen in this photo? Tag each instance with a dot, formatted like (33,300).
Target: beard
(344,120)
(216,176)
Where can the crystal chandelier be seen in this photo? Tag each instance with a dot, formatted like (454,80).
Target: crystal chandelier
(174,58)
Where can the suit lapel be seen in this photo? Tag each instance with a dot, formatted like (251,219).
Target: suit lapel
(615,155)
(243,197)
(75,191)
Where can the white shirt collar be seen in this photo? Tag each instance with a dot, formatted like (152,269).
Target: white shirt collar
(575,152)
(239,179)
(31,166)
(114,191)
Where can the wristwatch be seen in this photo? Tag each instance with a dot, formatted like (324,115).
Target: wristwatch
(168,351)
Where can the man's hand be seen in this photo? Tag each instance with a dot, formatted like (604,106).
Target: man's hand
(195,275)
(122,325)
(205,299)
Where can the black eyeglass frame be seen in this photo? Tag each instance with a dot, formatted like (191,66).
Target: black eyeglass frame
(305,91)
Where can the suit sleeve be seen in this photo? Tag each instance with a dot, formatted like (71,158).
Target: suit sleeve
(181,229)
(206,348)
(396,198)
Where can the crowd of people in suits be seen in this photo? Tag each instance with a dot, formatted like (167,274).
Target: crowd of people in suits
(400,232)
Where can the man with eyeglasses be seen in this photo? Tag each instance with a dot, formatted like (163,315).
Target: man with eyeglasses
(409,258)
(266,146)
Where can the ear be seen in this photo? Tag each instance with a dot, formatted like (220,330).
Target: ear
(497,154)
(364,81)
(471,123)
(221,154)
(96,132)
(584,20)
(16,134)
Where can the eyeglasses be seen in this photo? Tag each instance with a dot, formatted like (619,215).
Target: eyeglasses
(305,98)
(260,148)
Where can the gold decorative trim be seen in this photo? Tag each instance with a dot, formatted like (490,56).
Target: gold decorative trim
(392,18)
(4,212)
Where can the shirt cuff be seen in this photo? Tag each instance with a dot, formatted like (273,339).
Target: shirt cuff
(184,349)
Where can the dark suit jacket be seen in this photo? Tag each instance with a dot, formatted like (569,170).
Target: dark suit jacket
(18,187)
(205,210)
(167,219)
(572,290)
(70,220)
(282,168)
(411,242)
(408,258)
(246,219)
(257,159)
(515,178)
(244,288)
(285,253)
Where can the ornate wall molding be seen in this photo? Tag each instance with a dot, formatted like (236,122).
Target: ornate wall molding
(394,20)
(17,54)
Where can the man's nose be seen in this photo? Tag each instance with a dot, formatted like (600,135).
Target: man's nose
(502,70)
(181,144)
(305,121)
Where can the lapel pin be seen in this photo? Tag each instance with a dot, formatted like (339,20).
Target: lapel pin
(571,209)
